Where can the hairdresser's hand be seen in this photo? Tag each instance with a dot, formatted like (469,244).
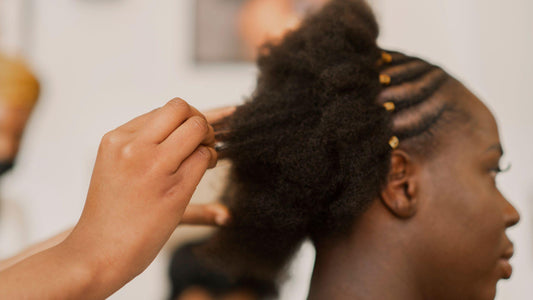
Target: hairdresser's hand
(145,174)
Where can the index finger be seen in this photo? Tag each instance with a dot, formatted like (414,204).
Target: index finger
(166,119)
(137,122)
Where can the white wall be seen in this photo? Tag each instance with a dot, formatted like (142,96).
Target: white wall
(103,62)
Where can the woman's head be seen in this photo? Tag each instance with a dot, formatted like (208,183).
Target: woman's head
(311,153)
(442,195)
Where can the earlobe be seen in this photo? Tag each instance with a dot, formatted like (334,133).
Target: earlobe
(399,194)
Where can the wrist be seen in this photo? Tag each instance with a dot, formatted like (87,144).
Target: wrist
(82,270)
(95,268)
(55,273)
(101,266)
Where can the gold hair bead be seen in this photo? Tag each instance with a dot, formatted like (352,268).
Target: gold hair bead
(389,106)
(384,79)
(394,142)
(386,58)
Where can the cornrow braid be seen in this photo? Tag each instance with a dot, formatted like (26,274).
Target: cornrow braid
(412,90)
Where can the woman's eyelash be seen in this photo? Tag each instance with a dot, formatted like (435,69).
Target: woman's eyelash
(502,170)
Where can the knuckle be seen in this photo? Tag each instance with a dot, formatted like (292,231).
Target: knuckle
(204,153)
(179,105)
(199,124)
(214,154)
(128,151)
(110,139)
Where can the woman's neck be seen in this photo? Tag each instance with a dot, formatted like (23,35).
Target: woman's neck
(373,262)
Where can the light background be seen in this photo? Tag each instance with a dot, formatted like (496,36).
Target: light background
(104,62)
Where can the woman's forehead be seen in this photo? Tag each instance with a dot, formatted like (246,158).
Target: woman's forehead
(480,131)
(483,122)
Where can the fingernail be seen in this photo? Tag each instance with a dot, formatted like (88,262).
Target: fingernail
(221,219)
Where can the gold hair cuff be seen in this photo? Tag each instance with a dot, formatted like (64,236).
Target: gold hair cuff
(389,106)
(394,142)
(384,79)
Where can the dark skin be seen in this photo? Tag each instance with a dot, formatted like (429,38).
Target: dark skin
(438,229)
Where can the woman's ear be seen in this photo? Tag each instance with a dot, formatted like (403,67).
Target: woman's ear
(399,194)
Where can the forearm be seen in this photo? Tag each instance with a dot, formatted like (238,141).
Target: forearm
(60,268)
(55,273)
(4,264)
(72,269)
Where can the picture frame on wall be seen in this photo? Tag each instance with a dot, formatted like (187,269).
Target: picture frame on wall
(229,31)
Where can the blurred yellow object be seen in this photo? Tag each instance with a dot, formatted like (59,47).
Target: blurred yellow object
(18,86)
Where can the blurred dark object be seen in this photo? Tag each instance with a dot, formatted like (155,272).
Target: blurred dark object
(192,279)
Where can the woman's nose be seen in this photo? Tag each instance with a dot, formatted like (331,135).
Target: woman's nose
(512,217)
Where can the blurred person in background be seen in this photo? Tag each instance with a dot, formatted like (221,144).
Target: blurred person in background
(268,20)
(19,91)
(234,30)
(193,279)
